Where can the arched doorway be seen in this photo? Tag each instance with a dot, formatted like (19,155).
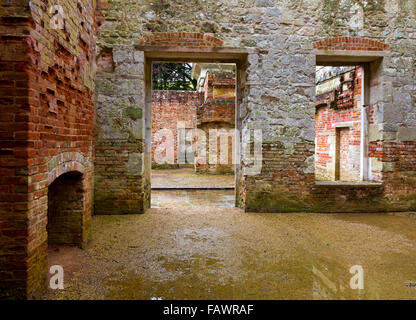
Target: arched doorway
(65,209)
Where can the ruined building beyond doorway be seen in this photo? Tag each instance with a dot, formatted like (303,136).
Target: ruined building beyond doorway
(211,108)
(59,116)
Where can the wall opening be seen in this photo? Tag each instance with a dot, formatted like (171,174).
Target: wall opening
(338,124)
(348,112)
(193,134)
(65,210)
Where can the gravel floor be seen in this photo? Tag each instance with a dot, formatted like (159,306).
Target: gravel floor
(224,253)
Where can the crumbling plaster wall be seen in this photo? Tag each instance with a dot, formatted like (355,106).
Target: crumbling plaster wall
(277,95)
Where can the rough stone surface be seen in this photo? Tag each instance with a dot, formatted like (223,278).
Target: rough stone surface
(277,93)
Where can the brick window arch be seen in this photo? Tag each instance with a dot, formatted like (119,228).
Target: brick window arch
(181,39)
(350,43)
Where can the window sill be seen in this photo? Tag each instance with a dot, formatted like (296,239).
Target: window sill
(358,184)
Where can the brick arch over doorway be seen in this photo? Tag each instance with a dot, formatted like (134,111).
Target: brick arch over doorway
(66,162)
(181,39)
(350,43)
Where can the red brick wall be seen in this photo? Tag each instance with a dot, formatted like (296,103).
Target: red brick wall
(326,119)
(14,95)
(218,113)
(46,129)
(169,108)
(350,43)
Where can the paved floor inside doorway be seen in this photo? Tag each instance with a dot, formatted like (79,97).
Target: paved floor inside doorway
(192,198)
(185,188)
(187,178)
(224,253)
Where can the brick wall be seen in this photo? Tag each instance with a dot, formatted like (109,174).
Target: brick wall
(172,110)
(14,88)
(217,113)
(46,129)
(338,131)
(65,210)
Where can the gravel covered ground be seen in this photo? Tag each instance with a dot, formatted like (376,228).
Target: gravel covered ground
(224,253)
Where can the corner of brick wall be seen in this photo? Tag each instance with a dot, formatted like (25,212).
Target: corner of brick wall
(49,110)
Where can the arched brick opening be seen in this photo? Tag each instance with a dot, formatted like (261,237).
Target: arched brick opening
(181,39)
(69,199)
(66,209)
(350,43)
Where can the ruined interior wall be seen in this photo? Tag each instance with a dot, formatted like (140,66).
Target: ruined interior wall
(50,74)
(216,118)
(172,110)
(332,121)
(278,96)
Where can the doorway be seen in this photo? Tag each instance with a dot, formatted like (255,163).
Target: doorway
(194,135)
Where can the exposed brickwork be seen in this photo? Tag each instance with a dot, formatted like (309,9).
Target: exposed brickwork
(350,43)
(172,110)
(14,88)
(65,210)
(218,113)
(47,114)
(47,88)
(283,183)
(338,131)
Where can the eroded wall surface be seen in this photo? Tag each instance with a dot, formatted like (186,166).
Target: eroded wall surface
(46,129)
(174,111)
(278,91)
(216,118)
(338,129)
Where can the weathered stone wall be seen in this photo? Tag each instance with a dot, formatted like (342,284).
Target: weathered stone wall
(46,129)
(278,87)
(119,148)
(173,110)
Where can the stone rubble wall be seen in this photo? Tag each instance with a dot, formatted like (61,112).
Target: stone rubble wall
(279,84)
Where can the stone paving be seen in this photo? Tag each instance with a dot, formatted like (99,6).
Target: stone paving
(185,188)
(187,178)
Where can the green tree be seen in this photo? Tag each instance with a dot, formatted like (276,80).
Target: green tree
(173,76)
